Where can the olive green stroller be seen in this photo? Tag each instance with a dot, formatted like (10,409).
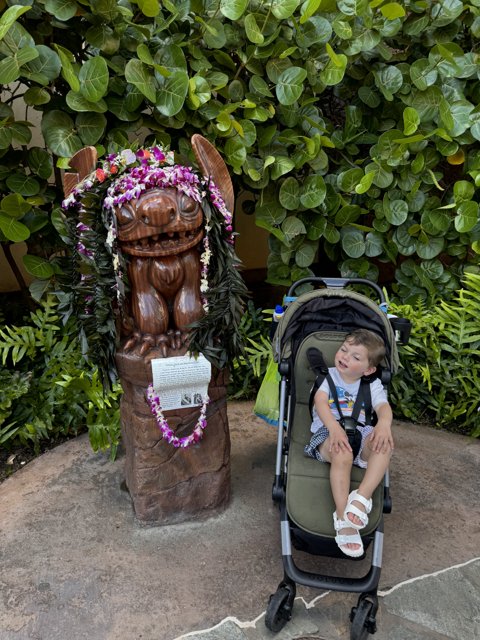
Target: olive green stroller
(320,319)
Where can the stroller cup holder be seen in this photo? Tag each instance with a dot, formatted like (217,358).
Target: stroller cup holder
(402,328)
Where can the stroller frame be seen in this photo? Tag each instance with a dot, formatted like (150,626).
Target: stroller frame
(280,605)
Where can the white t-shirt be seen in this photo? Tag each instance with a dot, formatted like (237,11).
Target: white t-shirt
(347,394)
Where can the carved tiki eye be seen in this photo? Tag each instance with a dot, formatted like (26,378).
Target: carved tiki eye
(188,206)
(125,214)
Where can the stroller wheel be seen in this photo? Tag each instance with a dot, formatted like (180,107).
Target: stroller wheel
(279,608)
(363,619)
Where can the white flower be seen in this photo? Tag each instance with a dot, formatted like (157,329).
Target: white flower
(110,237)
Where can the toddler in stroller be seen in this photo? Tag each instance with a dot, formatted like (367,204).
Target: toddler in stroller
(343,440)
(314,328)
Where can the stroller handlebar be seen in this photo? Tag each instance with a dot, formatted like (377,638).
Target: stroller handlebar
(337,283)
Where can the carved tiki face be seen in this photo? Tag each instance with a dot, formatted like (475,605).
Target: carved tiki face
(161,222)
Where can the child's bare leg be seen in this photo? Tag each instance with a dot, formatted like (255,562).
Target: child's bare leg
(340,472)
(378,462)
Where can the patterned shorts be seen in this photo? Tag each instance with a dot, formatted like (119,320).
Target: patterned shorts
(319,437)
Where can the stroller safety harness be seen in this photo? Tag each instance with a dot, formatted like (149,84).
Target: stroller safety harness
(305,341)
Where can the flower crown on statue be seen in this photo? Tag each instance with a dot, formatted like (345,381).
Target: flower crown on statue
(95,276)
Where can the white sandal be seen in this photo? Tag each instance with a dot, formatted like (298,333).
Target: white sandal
(361,515)
(344,539)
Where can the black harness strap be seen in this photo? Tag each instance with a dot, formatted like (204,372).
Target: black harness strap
(363,400)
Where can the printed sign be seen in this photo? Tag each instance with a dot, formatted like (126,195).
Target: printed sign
(181,381)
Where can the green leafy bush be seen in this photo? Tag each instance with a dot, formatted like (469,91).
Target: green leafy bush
(247,371)
(354,124)
(45,395)
(440,377)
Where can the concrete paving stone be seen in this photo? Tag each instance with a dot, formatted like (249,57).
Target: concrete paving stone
(448,603)
(396,628)
(228,630)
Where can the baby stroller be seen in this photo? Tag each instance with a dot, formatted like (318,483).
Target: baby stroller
(320,319)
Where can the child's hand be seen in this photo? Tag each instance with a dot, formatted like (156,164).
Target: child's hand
(338,440)
(381,439)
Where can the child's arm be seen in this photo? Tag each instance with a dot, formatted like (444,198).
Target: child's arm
(382,439)
(337,436)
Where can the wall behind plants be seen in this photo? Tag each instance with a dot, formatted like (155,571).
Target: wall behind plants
(355,124)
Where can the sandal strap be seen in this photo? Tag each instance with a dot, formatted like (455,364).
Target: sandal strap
(357,497)
(354,510)
(348,539)
(351,508)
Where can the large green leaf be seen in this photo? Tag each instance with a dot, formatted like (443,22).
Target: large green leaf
(60,134)
(353,242)
(102,37)
(305,254)
(392,10)
(120,107)
(233,9)
(235,152)
(411,120)
(463,190)
(68,71)
(252,30)
(93,77)
(23,185)
(467,216)
(373,244)
(389,80)
(313,191)
(15,205)
(172,93)
(61,9)
(396,211)
(36,96)
(289,194)
(435,222)
(348,180)
(431,248)
(13,230)
(334,71)
(281,166)
(460,111)
(292,227)
(10,66)
(37,266)
(90,127)
(290,85)
(149,8)
(317,30)
(77,102)
(214,35)
(45,67)
(40,162)
(141,76)
(283,9)
(9,16)
(352,7)
(423,74)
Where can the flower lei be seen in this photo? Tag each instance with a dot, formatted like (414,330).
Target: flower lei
(94,283)
(167,433)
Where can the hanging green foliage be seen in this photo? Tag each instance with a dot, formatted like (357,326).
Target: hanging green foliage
(355,125)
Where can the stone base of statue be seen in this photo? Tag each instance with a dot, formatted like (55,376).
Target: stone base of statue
(169,485)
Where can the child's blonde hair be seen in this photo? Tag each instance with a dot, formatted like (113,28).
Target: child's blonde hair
(371,341)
